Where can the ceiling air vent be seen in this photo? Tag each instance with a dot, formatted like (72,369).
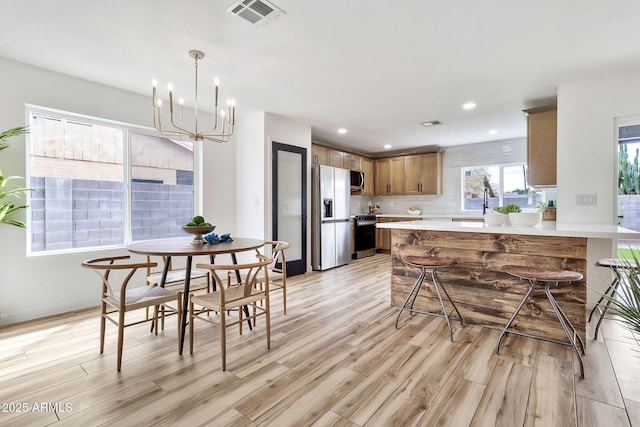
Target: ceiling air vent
(258,12)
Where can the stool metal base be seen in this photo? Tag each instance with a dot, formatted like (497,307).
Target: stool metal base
(567,326)
(411,298)
(616,266)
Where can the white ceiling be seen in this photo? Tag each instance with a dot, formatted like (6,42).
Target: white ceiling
(375,67)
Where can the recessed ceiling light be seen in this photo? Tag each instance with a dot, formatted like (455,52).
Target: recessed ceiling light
(469,106)
(431,123)
(493,131)
(342,131)
(387,146)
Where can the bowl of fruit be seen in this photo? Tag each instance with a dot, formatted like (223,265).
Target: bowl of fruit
(198,227)
(414,211)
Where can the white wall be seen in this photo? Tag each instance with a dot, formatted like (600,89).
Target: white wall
(587,144)
(38,286)
(256,133)
(291,132)
(250,176)
(587,156)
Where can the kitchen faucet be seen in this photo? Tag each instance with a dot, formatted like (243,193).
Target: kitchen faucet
(485,201)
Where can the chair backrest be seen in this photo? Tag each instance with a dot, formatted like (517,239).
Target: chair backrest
(277,253)
(248,274)
(104,266)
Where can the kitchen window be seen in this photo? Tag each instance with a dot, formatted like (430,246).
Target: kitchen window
(102,184)
(505,184)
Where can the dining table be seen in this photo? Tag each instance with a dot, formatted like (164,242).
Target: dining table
(183,247)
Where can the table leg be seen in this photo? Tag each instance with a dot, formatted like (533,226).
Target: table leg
(185,302)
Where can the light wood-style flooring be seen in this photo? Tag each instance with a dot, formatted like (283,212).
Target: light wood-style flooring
(335,360)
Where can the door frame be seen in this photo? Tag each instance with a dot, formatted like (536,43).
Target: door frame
(298,266)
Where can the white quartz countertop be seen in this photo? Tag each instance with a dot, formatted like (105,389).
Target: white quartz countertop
(443,217)
(547,228)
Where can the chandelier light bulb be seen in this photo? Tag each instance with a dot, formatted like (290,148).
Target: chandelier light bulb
(222,114)
(216,81)
(170,87)
(159,103)
(154,82)
(181,101)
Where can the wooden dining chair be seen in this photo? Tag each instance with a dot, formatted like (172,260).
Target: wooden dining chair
(177,276)
(114,306)
(229,296)
(200,280)
(277,269)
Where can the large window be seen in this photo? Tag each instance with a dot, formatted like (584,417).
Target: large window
(504,184)
(99,184)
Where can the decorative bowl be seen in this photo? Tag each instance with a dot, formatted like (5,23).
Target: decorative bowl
(525,219)
(414,211)
(198,231)
(495,218)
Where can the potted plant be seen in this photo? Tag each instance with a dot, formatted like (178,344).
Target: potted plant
(10,193)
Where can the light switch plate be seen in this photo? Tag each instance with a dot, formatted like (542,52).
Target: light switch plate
(589,199)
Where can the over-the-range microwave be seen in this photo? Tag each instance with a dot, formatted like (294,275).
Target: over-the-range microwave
(357,181)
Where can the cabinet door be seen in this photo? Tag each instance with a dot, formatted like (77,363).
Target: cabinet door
(413,171)
(431,173)
(382,177)
(356,163)
(383,236)
(368,169)
(320,155)
(396,176)
(335,158)
(346,161)
(542,125)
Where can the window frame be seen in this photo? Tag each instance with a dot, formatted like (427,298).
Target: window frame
(127,129)
(501,167)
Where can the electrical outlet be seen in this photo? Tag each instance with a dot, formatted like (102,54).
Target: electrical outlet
(590,199)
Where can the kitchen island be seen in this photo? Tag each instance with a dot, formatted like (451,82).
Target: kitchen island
(486,295)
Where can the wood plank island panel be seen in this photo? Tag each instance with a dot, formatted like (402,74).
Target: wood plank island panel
(484,294)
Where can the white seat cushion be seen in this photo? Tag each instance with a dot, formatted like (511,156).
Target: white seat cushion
(141,294)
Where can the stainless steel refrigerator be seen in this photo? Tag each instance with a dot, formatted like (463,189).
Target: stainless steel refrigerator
(331,226)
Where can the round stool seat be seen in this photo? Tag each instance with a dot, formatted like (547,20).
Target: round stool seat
(428,261)
(541,274)
(616,263)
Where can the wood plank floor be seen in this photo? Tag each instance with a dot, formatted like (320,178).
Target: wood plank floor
(335,360)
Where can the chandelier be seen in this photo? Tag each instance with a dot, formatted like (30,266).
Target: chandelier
(227,115)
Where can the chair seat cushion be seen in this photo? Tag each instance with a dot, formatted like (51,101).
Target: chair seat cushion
(141,294)
(175,276)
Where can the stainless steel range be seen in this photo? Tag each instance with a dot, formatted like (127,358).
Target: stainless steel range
(365,235)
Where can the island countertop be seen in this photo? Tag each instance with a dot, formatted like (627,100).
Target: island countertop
(547,228)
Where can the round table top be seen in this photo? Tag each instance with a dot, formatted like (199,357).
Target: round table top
(181,246)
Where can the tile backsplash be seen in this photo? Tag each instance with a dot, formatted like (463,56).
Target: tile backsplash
(509,151)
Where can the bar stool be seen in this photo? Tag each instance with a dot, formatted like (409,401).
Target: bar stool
(425,263)
(618,267)
(552,278)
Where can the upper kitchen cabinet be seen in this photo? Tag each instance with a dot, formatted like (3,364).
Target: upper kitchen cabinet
(356,163)
(423,174)
(389,176)
(319,155)
(542,125)
(368,169)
